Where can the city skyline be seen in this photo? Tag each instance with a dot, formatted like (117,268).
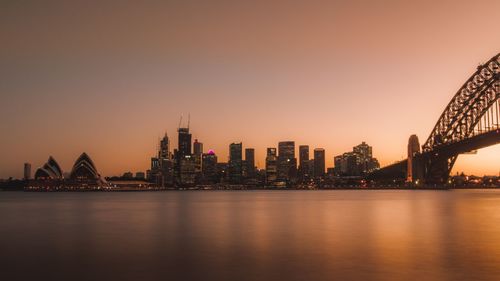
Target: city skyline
(106,81)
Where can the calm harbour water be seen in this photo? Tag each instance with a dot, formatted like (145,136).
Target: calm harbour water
(251,235)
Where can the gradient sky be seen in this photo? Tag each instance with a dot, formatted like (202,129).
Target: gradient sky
(110,77)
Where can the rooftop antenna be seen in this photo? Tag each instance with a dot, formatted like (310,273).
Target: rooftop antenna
(180,122)
(189,119)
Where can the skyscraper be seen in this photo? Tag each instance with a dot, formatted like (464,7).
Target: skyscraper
(209,169)
(165,162)
(197,147)
(304,161)
(250,162)
(197,154)
(271,166)
(235,162)
(164,151)
(185,164)
(184,147)
(27,171)
(287,163)
(319,162)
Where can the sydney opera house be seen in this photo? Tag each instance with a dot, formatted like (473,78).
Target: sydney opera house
(83,175)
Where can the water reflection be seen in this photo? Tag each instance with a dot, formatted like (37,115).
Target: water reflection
(295,235)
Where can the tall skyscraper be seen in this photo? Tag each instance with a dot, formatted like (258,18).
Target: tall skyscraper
(319,162)
(250,162)
(184,147)
(235,162)
(271,166)
(209,167)
(197,147)
(185,165)
(164,151)
(161,172)
(287,163)
(197,154)
(304,161)
(27,171)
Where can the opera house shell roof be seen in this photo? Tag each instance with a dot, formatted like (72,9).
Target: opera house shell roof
(51,170)
(83,171)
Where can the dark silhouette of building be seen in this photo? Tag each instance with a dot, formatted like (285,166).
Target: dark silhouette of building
(140,176)
(209,168)
(185,163)
(319,162)
(235,163)
(184,147)
(162,166)
(359,161)
(304,171)
(287,163)
(250,162)
(187,173)
(197,154)
(222,171)
(197,147)
(271,166)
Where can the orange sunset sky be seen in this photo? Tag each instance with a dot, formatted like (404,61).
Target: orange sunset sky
(110,77)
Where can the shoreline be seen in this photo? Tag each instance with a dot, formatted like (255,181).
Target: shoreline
(253,189)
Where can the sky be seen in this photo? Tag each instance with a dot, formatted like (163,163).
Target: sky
(110,77)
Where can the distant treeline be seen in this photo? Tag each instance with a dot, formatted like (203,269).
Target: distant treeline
(12,185)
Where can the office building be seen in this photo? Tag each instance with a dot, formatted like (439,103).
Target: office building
(271,166)
(235,163)
(209,168)
(319,162)
(304,171)
(249,163)
(287,163)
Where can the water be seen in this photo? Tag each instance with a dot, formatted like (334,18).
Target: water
(251,235)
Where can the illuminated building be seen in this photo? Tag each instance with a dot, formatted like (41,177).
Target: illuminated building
(304,171)
(209,167)
(271,166)
(287,163)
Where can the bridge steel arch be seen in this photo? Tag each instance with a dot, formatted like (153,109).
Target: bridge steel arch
(470,121)
(472,114)
(467,107)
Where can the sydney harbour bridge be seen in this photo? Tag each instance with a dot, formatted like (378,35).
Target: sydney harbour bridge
(471,121)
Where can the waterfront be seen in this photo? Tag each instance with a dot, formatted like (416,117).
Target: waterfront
(251,235)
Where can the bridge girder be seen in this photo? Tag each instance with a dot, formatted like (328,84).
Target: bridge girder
(470,121)
(465,110)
